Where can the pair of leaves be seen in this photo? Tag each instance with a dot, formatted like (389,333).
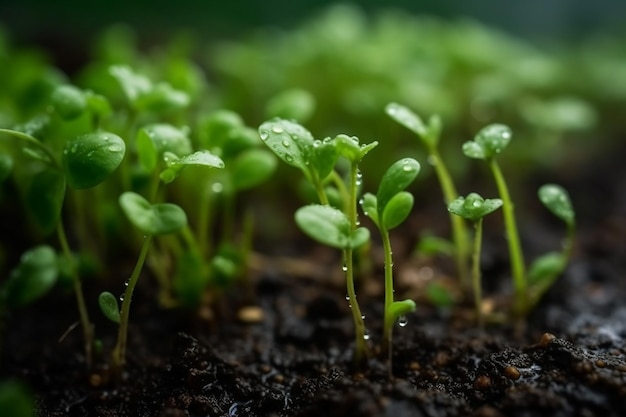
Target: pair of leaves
(152,219)
(35,275)
(297,147)
(144,95)
(473,207)
(330,226)
(391,205)
(428,133)
(488,142)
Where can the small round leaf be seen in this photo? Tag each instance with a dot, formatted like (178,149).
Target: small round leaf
(290,141)
(557,200)
(90,159)
(396,178)
(252,168)
(546,268)
(473,207)
(294,104)
(397,209)
(69,101)
(152,219)
(325,224)
(369,204)
(488,142)
(401,308)
(33,277)
(109,307)
(408,119)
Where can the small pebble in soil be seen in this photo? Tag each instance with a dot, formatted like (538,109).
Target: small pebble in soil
(482,382)
(546,339)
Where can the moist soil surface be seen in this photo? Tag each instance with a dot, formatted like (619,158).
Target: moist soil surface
(287,350)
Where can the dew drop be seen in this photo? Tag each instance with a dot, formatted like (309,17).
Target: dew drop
(90,154)
(362,316)
(115,148)
(264,135)
(317,143)
(476,203)
(122,298)
(347,298)
(286,143)
(217,187)
(288,158)
(366,335)
(277,129)
(402,321)
(407,168)
(344,268)
(126,283)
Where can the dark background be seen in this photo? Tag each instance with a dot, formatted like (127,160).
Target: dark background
(45,21)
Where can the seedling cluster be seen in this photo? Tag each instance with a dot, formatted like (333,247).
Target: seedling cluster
(135,161)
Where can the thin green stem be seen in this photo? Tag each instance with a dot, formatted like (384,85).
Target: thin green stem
(459,226)
(80,298)
(204,218)
(476,281)
(388,320)
(118,358)
(360,353)
(515,248)
(341,186)
(319,190)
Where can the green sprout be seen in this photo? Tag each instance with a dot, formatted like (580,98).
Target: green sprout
(474,208)
(544,271)
(430,134)
(388,209)
(85,162)
(487,144)
(316,159)
(152,220)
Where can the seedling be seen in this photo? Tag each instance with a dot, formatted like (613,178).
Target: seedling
(546,269)
(430,134)
(86,161)
(316,159)
(152,220)
(474,208)
(487,144)
(388,209)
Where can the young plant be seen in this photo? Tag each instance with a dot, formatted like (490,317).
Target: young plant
(35,276)
(388,209)
(86,161)
(544,271)
(487,144)
(429,134)
(152,220)
(474,208)
(316,159)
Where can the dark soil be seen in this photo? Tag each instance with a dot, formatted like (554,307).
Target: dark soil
(295,359)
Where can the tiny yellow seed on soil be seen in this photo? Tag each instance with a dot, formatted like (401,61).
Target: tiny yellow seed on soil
(512,372)
(482,382)
(600,363)
(250,314)
(546,339)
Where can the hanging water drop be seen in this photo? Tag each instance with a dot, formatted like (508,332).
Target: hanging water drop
(126,283)
(217,187)
(366,335)
(402,321)
(344,268)
(122,298)
(264,135)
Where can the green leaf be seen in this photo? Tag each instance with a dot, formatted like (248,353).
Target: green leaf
(546,267)
(152,219)
(68,101)
(488,142)
(6,166)
(401,308)
(35,275)
(325,155)
(329,226)
(252,168)
(397,209)
(350,148)
(98,104)
(296,104)
(90,159)
(109,307)
(439,295)
(44,198)
(290,141)
(176,164)
(162,97)
(369,204)
(396,178)
(556,199)
(216,128)
(134,85)
(408,119)
(473,207)
(191,278)
(166,138)
(435,245)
